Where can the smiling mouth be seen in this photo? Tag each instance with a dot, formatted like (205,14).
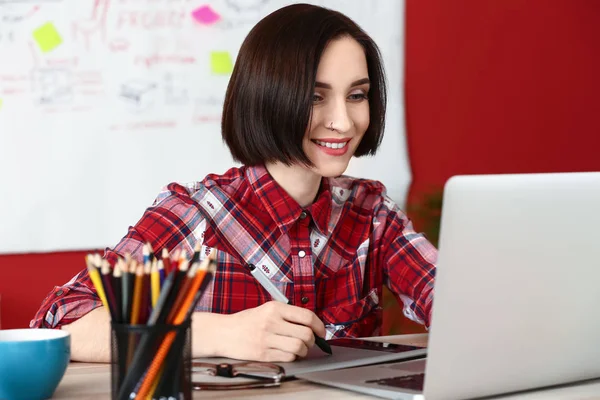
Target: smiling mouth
(331,145)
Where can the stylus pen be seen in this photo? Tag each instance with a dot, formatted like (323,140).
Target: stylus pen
(266,283)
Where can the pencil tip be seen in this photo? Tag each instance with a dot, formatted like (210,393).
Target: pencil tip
(183,255)
(97,260)
(88,260)
(198,246)
(210,263)
(213,254)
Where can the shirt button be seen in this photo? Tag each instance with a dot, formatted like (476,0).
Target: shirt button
(303,215)
(59,292)
(301,253)
(304,300)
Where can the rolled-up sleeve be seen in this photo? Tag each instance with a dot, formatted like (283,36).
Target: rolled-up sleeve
(67,303)
(410,266)
(169,222)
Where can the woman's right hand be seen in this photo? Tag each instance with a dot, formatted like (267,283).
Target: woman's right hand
(272,332)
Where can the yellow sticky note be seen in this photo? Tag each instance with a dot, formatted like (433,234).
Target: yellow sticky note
(220,62)
(47,37)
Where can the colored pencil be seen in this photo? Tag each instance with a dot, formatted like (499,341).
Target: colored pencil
(170,337)
(138,362)
(164,294)
(117,288)
(135,310)
(150,251)
(155,291)
(145,302)
(166,260)
(97,281)
(155,282)
(126,291)
(185,283)
(196,256)
(145,253)
(137,295)
(205,282)
(142,356)
(161,273)
(106,277)
(180,276)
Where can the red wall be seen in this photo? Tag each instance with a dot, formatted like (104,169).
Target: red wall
(491,86)
(27,278)
(501,86)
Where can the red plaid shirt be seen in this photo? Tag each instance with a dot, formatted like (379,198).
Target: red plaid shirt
(331,257)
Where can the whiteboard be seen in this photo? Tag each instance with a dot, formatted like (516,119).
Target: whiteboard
(104,102)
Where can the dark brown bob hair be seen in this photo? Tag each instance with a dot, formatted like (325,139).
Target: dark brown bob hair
(268,102)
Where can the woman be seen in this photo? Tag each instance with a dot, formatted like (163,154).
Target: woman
(307,93)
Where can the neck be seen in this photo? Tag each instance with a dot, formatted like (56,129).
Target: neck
(299,182)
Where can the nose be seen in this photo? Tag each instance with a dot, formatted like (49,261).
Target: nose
(339,115)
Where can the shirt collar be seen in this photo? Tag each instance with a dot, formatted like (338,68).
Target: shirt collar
(284,210)
(320,209)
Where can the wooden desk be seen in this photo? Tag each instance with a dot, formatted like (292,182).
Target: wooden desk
(92,381)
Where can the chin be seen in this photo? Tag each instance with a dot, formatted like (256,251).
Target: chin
(331,171)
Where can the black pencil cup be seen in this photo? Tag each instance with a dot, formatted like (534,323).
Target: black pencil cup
(152,360)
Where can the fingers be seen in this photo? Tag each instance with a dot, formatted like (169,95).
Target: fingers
(302,316)
(318,327)
(304,333)
(282,332)
(287,344)
(276,355)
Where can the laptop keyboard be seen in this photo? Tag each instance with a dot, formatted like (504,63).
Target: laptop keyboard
(412,382)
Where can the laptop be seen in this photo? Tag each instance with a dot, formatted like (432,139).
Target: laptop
(517,292)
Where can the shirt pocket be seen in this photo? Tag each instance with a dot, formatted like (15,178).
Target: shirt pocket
(350,239)
(358,318)
(332,263)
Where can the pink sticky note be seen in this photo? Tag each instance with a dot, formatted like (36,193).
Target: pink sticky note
(205,15)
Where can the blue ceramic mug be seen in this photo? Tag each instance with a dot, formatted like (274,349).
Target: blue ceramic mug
(32,362)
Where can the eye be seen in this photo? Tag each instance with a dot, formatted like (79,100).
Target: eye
(317,98)
(358,97)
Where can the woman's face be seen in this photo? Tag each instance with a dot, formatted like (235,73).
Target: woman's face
(340,102)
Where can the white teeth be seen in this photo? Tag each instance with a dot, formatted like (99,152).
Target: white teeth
(331,145)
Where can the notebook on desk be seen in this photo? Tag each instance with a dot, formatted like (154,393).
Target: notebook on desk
(516,293)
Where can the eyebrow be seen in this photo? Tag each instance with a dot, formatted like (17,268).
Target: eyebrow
(353,84)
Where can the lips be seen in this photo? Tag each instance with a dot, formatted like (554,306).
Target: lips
(332,147)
